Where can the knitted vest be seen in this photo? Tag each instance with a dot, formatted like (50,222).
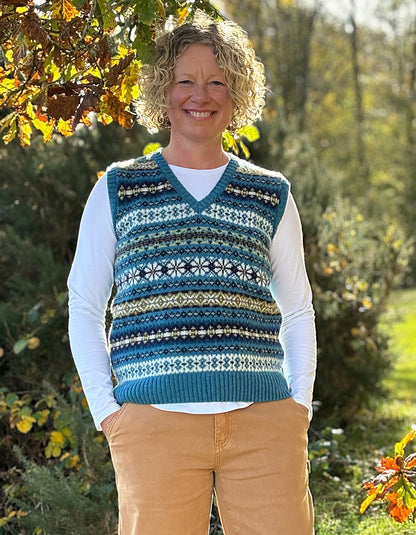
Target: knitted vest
(194,319)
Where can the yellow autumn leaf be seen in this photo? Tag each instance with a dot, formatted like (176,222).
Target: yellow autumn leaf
(45,127)
(69,11)
(57,438)
(123,51)
(397,244)
(367,303)
(24,131)
(33,342)
(53,72)
(244,148)
(21,514)
(229,142)
(30,111)
(129,89)
(25,424)
(65,128)
(364,505)
(400,446)
(151,147)
(104,118)
(74,461)
(42,416)
(64,9)
(362,285)
(56,451)
(86,120)
(332,248)
(250,132)
(9,55)
(11,133)
(77,386)
(182,14)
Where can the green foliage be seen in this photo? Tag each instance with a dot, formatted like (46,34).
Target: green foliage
(61,465)
(353,264)
(359,262)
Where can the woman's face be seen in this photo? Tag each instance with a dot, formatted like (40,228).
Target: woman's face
(200,104)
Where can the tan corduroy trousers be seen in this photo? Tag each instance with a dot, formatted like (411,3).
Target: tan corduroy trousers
(168,465)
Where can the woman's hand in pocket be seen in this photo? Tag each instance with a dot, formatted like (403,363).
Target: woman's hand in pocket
(106,423)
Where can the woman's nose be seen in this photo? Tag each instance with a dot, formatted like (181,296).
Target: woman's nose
(200,92)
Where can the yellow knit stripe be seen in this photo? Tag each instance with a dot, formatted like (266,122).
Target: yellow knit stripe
(194,299)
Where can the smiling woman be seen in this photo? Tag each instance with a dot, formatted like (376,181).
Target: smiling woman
(212,340)
(242,71)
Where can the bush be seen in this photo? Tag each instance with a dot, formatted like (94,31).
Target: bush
(353,264)
(60,478)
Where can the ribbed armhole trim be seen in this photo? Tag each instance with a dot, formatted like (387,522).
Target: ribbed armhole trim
(112,194)
(284,195)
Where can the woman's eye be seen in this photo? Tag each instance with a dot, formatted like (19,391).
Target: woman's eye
(217,82)
(184,82)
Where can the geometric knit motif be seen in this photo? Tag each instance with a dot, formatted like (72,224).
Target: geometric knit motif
(193,317)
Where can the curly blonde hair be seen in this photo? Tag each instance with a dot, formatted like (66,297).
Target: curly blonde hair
(235,56)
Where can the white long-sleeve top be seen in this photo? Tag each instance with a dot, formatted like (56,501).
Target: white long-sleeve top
(92,277)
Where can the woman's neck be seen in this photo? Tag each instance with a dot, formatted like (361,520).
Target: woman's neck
(197,157)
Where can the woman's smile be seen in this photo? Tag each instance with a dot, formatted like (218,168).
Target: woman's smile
(200,114)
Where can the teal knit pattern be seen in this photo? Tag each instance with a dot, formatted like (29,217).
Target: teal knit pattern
(194,319)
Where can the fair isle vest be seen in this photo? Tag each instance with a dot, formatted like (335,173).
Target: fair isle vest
(194,319)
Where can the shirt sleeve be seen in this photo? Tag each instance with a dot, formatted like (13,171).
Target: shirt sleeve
(292,291)
(90,284)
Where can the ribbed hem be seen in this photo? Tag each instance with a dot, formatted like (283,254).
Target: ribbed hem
(204,387)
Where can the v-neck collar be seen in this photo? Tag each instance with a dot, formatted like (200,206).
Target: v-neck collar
(198,206)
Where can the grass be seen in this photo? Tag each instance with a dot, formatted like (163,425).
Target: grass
(351,457)
(403,380)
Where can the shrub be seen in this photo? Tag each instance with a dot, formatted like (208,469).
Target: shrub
(353,263)
(60,478)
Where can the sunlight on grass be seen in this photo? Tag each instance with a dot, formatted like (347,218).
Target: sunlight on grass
(403,330)
(351,525)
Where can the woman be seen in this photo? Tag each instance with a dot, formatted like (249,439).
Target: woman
(213,381)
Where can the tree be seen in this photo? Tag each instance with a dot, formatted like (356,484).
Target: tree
(282,35)
(62,59)
(363,171)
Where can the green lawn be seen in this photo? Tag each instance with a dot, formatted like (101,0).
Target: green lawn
(403,381)
(352,456)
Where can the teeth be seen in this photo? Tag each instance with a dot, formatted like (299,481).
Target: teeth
(200,113)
